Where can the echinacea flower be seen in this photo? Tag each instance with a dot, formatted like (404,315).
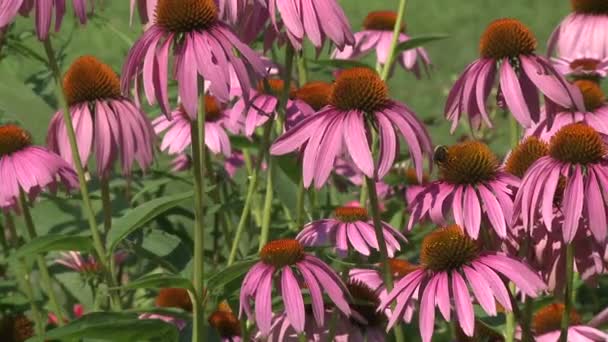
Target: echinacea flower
(171,298)
(225,322)
(16,328)
(594,115)
(77,312)
(576,157)
(108,126)
(472,187)
(352,229)
(283,257)
(316,20)
(582,65)
(448,257)
(145,8)
(546,325)
(358,101)
(177,130)
(229,10)
(182,162)
(27,168)
(43,13)
(282,331)
(585,29)
(202,46)
(86,264)
(307,100)
(377,35)
(367,323)
(507,48)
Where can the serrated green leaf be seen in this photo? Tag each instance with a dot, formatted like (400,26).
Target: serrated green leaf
(229,274)
(138,217)
(48,243)
(418,41)
(160,280)
(116,327)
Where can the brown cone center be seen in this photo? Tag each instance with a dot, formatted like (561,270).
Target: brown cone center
(597,7)
(507,38)
(525,154)
(381,21)
(549,318)
(280,253)
(180,16)
(592,94)
(401,268)
(88,80)
(447,249)
(359,88)
(315,94)
(225,321)
(13,138)
(174,298)
(351,214)
(577,144)
(468,162)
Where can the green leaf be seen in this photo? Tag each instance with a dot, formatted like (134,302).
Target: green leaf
(140,216)
(339,63)
(229,274)
(49,243)
(418,41)
(116,327)
(160,280)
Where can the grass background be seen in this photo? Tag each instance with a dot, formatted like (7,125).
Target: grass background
(108,37)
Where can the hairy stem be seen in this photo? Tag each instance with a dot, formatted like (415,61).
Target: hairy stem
(568,292)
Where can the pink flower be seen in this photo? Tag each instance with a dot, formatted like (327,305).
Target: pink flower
(352,228)
(229,10)
(358,101)
(177,130)
(283,256)
(577,158)
(472,187)
(582,65)
(225,322)
(107,125)
(507,47)
(586,29)
(43,12)
(28,168)
(547,326)
(595,115)
(85,264)
(145,8)
(177,322)
(282,331)
(77,310)
(312,19)
(182,162)
(378,34)
(202,45)
(447,257)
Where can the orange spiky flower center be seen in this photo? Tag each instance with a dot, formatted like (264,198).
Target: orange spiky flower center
(315,94)
(281,253)
(381,21)
(401,268)
(447,249)
(469,162)
(507,38)
(549,318)
(225,321)
(577,144)
(274,87)
(351,214)
(181,16)
(411,178)
(213,109)
(586,64)
(525,154)
(174,298)
(592,94)
(365,302)
(359,88)
(13,138)
(596,7)
(88,79)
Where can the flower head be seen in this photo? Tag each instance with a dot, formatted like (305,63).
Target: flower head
(284,257)
(173,298)
(448,257)
(203,47)
(351,228)
(472,186)
(28,168)
(108,126)
(358,101)
(576,154)
(546,325)
(507,47)
(86,264)
(377,34)
(225,322)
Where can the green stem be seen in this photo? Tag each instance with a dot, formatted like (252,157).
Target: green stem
(527,335)
(510,320)
(302,69)
(386,270)
(300,204)
(26,285)
(198,160)
(44,271)
(568,292)
(107,205)
(244,215)
(513,131)
(396,32)
(84,190)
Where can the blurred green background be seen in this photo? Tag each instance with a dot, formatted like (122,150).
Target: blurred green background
(108,37)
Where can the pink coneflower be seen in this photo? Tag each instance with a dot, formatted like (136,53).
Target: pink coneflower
(182,162)
(43,13)
(448,257)
(352,229)
(229,10)
(577,158)
(202,46)
(177,130)
(508,47)
(77,312)
(86,265)
(546,325)
(312,19)
(282,331)
(171,298)
(378,34)
(283,256)
(472,187)
(586,29)
(358,101)
(595,115)
(145,8)
(225,322)
(307,100)
(582,65)
(107,125)
(28,168)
